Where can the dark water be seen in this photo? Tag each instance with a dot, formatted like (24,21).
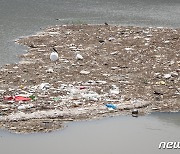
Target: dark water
(123,134)
(25,17)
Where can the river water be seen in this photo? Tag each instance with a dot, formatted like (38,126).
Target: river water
(25,17)
(108,136)
(123,134)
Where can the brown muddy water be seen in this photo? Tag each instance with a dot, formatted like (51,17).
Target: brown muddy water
(122,134)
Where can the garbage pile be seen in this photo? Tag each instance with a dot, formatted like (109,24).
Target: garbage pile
(66,99)
(101,70)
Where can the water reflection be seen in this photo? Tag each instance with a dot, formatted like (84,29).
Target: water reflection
(170,118)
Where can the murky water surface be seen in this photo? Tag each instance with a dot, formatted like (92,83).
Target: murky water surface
(123,134)
(25,17)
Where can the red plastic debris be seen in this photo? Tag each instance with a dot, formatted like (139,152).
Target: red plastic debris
(82,87)
(16,98)
(20,98)
(8,98)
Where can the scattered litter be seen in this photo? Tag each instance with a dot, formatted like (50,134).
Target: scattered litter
(167,76)
(156,92)
(56,99)
(114,53)
(155,108)
(111,106)
(68,33)
(135,113)
(111,38)
(50,70)
(25,106)
(16,98)
(32,97)
(174,74)
(79,57)
(114,90)
(44,86)
(114,68)
(83,72)
(128,49)
(161,83)
(82,87)
(166,41)
(2,91)
(123,67)
(8,98)
(76,103)
(101,41)
(91,96)
(21,98)
(101,82)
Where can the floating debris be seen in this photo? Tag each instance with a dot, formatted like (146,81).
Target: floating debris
(44,86)
(111,106)
(50,70)
(114,90)
(100,66)
(79,57)
(135,113)
(85,72)
(167,76)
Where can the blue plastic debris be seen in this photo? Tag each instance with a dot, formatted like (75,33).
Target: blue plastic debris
(111,106)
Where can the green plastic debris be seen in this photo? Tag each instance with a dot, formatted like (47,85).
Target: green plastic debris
(32,97)
(56,99)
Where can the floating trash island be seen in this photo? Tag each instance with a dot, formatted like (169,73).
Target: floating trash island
(100,70)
